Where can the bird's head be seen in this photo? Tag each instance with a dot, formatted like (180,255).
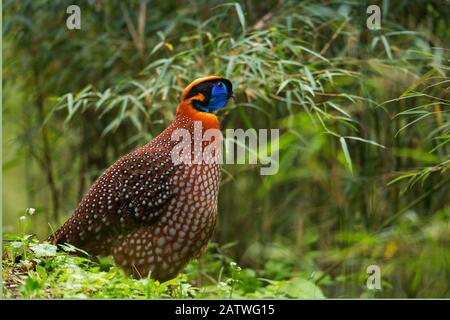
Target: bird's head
(204,96)
(208,94)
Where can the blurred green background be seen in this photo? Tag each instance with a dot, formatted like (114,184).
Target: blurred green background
(363,116)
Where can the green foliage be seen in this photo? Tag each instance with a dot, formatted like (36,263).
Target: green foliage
(38,270)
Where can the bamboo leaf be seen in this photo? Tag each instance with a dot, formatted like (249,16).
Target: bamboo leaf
(348,159)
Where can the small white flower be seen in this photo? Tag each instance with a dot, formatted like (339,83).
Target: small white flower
(31,211)
(22,218)
(235,266)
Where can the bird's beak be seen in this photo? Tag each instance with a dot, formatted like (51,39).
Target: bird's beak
(232,96)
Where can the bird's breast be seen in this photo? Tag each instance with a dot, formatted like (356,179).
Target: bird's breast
(191,214)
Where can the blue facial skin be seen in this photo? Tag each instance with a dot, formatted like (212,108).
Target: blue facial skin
(219,98)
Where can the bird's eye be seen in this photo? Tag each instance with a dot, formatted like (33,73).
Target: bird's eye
(219,84)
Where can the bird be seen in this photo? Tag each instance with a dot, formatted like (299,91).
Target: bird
(150,213)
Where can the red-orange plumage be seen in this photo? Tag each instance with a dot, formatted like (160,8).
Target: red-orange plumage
(150,214)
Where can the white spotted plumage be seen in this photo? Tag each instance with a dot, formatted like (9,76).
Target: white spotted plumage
(144,198)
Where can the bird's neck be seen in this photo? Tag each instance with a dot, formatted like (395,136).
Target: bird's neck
(187,111)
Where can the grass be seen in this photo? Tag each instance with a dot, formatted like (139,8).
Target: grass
(41,271)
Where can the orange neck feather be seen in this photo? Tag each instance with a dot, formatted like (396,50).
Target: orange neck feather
(208,120)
